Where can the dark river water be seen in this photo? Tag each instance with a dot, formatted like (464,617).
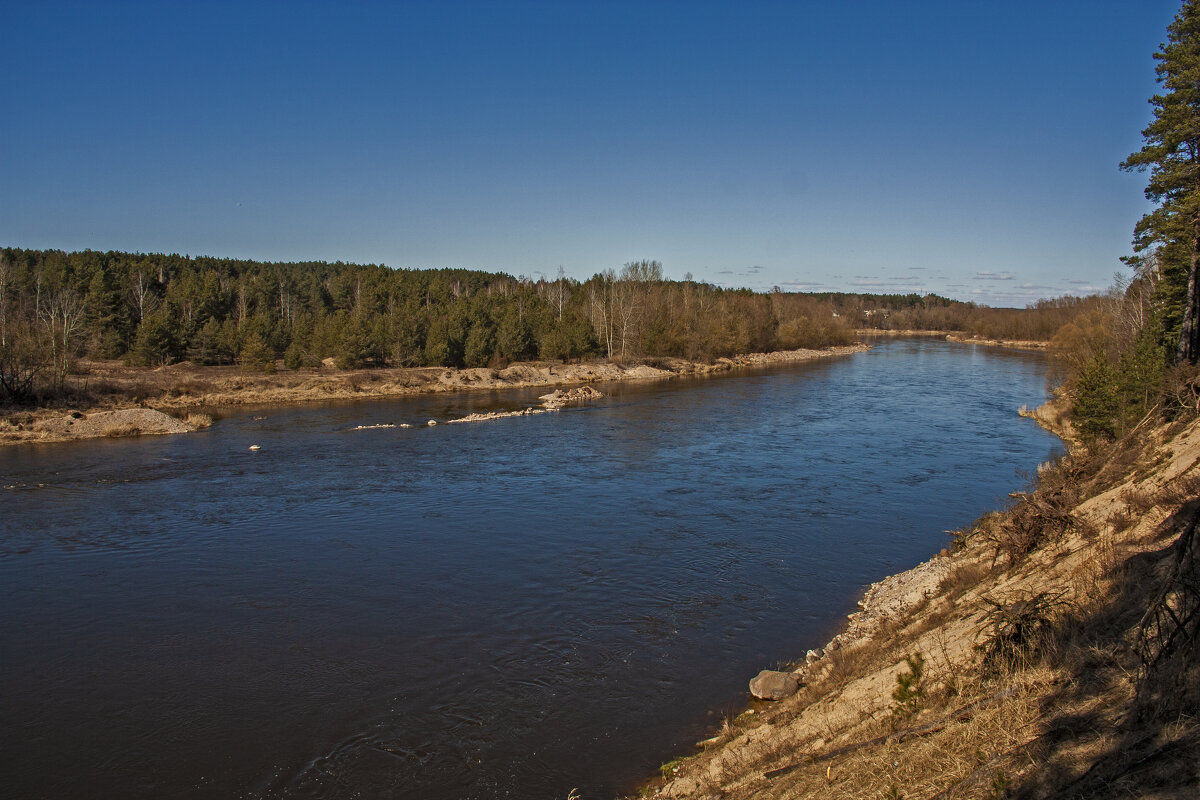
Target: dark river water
(505,609)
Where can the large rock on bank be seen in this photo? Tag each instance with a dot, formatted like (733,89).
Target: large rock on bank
(772,685)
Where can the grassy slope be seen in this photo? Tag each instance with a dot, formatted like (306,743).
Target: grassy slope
(1035,640)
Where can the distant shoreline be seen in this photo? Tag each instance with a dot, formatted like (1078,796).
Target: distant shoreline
(181,388)
(959,338)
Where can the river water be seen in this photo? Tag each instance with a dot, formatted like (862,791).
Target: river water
(512,608)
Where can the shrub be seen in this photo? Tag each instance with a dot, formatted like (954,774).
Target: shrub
(909,695)
(1018,630)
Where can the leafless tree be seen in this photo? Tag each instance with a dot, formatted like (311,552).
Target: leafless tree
(561,295)
(63,321)
(5,276)
(142,293)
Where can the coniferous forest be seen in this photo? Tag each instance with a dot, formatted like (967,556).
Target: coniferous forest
(151,309)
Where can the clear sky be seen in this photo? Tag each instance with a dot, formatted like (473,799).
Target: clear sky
(959,147)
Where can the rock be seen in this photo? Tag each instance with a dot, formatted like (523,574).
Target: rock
(772,685)
(432,422)
(812,655)
(559,398)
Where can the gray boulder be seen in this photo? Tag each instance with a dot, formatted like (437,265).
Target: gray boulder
(772,685)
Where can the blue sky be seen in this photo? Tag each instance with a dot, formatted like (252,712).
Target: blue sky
(964,148)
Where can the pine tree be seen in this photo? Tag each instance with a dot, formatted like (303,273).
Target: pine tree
(107,316)
(1172,154)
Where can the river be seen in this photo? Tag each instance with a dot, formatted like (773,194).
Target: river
(512,608)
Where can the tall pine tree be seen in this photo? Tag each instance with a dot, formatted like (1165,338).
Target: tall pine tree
(1172,154)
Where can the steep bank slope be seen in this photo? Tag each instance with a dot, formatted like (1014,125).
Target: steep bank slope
(1048,656)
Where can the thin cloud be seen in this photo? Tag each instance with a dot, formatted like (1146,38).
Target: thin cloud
(993,276)
(878,282)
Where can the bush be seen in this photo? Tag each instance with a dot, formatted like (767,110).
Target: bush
(909,695)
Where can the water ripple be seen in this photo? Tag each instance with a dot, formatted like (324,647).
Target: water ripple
(503,610)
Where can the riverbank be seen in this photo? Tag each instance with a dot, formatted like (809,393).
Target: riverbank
(1046,653)
(957,336)
(183,390)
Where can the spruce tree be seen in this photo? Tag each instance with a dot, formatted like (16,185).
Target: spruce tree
(1172,154)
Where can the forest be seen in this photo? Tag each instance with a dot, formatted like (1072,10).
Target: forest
(153,309)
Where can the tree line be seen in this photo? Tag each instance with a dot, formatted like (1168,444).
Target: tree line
(155,309)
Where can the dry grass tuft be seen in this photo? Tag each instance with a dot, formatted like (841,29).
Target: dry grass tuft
(962,578)
(1138,500)
(198,421)
(1182,490)
(117,431)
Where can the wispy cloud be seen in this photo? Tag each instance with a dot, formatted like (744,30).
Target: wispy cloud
(993,276)
(882,282)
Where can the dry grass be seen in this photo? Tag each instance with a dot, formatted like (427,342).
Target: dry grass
(1137,500)
(981,738)
(962,578)
(1182,490)
(118,431)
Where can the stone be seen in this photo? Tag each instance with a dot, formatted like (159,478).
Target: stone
(772,685)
